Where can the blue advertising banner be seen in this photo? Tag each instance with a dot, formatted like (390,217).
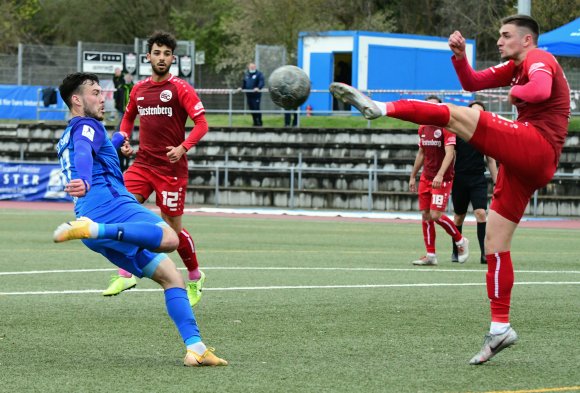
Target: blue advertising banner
(23,102)
(25,181)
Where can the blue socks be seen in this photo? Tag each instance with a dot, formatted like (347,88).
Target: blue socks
(142,234)
(181,313)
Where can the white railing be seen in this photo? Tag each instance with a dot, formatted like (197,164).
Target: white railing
(496,101)
(295,173)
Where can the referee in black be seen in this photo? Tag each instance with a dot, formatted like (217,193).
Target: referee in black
(470,185)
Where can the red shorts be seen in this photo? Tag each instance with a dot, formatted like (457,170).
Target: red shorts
(527,161)
(169,191)
(434,198)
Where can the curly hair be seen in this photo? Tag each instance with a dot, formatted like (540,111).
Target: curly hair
(161,38)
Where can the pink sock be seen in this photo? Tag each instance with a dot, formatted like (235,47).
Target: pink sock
(194,275)
(124,273)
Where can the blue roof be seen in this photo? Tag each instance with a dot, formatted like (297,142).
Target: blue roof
(563,41)
(342,33)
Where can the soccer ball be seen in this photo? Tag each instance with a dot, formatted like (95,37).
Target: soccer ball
(289,87)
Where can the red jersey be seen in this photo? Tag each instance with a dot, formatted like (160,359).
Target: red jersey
(433,140)
(549,117)
(163,108)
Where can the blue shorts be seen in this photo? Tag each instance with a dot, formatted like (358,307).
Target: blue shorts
(136,260)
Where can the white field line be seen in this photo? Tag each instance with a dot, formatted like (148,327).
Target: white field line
(294,287)
(297,268)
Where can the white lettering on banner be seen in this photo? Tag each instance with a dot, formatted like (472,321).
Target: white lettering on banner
(155,110)
(13,102)
(17,178)
(431,143)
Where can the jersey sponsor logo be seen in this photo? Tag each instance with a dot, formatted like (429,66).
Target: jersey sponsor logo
(198,106)
(431,143)
(155,110)
(140,98)
(437,133)
(88,132)
(165,95)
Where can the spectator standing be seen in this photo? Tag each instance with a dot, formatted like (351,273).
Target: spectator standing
(253,83)
(122,92)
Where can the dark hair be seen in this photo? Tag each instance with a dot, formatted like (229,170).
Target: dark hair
(524,21)
(71,84)
(476,103)
(161,38)
(434,97)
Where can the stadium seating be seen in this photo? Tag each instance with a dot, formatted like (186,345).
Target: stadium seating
(333,168)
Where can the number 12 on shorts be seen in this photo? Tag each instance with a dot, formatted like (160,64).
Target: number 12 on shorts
(170,199)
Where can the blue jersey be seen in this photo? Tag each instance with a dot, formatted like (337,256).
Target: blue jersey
(106,178)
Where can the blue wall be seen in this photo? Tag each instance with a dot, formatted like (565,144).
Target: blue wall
(20,103)
(418,66)
(409,69)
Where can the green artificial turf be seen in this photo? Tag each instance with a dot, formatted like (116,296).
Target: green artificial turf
(293,305)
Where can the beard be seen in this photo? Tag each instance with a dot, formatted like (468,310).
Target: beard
(97,114)
(158,72)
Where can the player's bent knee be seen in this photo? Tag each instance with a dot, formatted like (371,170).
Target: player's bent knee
(462,121)
(458,219)
(170,240)
(479,215)
(435,215)
(167,275)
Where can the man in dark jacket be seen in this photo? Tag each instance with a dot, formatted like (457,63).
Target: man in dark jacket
(124,84)
(253,83)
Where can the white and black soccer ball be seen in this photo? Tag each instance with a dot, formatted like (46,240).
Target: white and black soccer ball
(289,87)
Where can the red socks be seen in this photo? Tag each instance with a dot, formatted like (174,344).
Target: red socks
(186,250)
(429,236)
(419,112)
(500,280)
(449,226)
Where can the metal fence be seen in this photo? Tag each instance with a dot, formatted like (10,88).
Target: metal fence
(220,174)
(46,65)
(232,102)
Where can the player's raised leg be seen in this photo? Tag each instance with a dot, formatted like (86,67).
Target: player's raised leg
(461,121)
(349,95)
(154,237)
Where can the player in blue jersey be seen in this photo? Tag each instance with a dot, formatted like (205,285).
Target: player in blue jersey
(110,221)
